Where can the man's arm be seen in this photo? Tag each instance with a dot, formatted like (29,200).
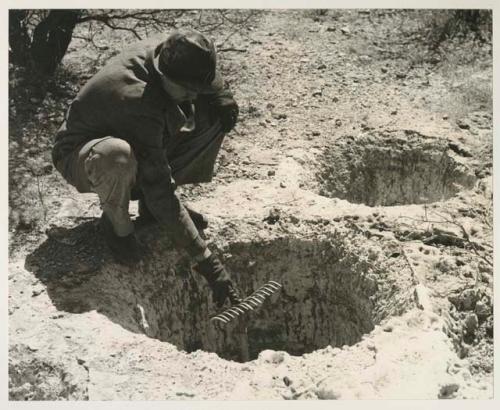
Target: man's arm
(225,107)
(158,187)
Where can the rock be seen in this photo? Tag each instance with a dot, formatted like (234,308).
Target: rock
(321,67)
(370,345)
(463,351)
(287,381)
(37,292)
(489,326)
(462,124)
(338,123)
(345,30)
(273,216)
(471,323)
(335,99)
(330,29)
(282,185)
(316,133)
(384,70)
(388,328)
(185,393)
(400,75)
(327,393)
(271,356)
(271,173)
(465,300)
(394,112)
(482,310)
(280,116)
(448,390)
(317,93)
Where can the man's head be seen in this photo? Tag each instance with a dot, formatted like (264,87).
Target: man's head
(187,60)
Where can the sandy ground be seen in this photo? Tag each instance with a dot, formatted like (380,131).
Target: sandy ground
(349,172)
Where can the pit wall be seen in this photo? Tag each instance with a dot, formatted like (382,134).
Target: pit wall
(334,291)
(394,168)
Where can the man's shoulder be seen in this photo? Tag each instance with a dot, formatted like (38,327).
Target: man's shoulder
(125,76)
(143,47)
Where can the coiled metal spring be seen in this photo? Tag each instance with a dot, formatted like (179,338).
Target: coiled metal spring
(248,304)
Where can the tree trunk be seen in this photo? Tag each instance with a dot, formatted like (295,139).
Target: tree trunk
(19,40)
(51,39)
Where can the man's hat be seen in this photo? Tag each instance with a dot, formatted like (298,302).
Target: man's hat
(188,57)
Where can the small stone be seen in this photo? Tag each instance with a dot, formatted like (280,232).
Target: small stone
(471,323)
(465,300)
(384,70)
(400,75)
(394,112)
(316,133)
(371,346)
(345,30)
(282,185)
(448,390)
(287,381)
(327,393)
(271,173)
(335,99)
(273,216)
(185,393)
(330,28)
(388,328)
(445,117)
(482,310)
(489,326)
(37,292)
(280,116)
(317,93)
(321,66)
(464,351)
(271,356)
(338,123)
(462,124)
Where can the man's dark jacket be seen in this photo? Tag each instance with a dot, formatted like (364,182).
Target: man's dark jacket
(125,99)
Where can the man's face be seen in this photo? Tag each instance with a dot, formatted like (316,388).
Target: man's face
(177,92)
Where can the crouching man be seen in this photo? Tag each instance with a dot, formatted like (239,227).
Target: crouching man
(152,118)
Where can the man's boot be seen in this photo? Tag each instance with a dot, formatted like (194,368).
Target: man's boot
(125,249)
(146,217)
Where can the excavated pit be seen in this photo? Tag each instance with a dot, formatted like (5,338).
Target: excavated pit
(334,291)
(394,168)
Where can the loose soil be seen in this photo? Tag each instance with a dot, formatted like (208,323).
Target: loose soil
(352,179)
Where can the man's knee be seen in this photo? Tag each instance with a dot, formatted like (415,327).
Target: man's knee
(112,157)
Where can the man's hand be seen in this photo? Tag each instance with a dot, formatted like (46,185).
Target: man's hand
(227,110)
(218,279)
